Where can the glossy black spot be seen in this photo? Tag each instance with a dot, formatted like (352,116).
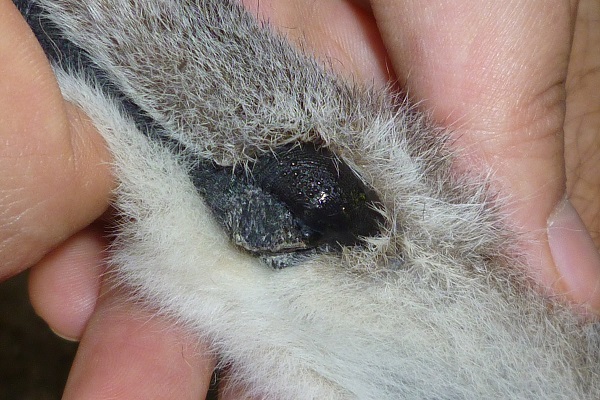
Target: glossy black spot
(322,192)
(295,200)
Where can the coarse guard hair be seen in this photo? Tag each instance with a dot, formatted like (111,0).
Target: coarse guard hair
(311,231)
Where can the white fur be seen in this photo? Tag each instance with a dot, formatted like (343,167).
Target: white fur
(435,308)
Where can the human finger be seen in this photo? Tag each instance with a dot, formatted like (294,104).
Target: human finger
(64,285)
(494,72)
(55,177)
(349,43)
(582,122)
(127,352)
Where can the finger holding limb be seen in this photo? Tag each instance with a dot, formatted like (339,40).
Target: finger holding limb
(127,352)
(582,122)
(64,285)
(55,178)
(582,150)
(349,43)
(495,74)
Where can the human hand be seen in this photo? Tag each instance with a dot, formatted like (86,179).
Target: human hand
(496,74)
(55,182)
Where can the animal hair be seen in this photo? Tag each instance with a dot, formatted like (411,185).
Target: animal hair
(433,305)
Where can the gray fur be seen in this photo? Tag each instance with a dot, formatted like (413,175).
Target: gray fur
(434,307)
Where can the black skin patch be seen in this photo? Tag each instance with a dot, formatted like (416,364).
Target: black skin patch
(297,200)
(322,192)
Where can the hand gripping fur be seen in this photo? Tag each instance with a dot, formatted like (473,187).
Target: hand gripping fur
(201,106)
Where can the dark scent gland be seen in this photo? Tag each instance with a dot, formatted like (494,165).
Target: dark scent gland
(330,202)
(296,200)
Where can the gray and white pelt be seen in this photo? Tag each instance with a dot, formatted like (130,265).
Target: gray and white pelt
(423,301)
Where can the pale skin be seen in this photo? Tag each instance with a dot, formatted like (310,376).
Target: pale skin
(518,82)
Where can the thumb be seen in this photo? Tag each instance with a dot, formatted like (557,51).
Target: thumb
(495,71)
(54,179)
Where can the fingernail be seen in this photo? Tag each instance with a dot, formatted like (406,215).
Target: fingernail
(575,256)
(67,338)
